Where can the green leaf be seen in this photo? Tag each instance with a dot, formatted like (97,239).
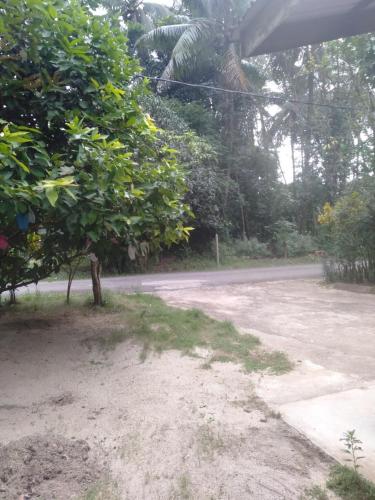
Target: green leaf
(21,164)
(52,195)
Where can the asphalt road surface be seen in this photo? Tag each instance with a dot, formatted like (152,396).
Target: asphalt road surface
(178,281)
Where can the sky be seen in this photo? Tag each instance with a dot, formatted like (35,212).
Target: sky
(284,151)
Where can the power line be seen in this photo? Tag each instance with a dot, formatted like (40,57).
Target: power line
(246,93)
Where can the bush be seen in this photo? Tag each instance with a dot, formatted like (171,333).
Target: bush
(288,242)
(251,248)
(349,236)
(298,244)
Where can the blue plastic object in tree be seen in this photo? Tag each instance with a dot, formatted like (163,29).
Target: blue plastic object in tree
(22,221)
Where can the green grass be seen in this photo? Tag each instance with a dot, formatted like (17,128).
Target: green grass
(315,493)
(349,484)
(104,490)
(157,327)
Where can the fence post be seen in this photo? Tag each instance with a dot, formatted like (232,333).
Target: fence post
(217,250)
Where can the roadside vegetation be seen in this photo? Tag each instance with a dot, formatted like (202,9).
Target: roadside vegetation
(349,484)
(346,483)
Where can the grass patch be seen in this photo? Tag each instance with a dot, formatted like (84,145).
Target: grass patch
(104,490)
(183,488)
(315,493)
(158,327)
(209,442)
(349,484)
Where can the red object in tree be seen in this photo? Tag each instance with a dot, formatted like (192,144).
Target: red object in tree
(4,243)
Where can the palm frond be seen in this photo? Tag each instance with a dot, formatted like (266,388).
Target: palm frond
(232,72)
(254,74)
(190,42)
(168,74)
(156,36)
(187,49)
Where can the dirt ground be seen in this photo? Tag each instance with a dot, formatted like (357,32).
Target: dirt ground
(165,428)
(43,466)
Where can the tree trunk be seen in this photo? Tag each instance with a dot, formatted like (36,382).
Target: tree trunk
(95,277)
(72,272)
(228,139)
(293,160)
(309,116)
(12,297)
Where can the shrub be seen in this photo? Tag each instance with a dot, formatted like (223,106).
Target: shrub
(288,242)
(251,248)
(349,235)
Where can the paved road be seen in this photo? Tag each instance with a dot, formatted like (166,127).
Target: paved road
(178,281)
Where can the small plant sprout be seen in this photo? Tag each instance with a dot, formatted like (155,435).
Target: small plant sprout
(352,447)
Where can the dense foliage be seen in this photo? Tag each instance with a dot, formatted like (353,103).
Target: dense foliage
(326,147)
(348,232)
(81,170)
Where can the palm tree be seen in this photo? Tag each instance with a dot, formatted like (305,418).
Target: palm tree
(209,36)
(205,42)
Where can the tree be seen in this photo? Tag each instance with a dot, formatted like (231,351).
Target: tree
(198,154)
(80,168)
(210,37)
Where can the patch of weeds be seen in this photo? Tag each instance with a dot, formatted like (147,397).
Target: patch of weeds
(274,414)
(209,442)
(206,365)
(158,327)
(349,484)
(103,490)
(184,487)
(182,490)
(110,342)
(221,358)
(94,362)
(277,362)
(315,493)
(131,446)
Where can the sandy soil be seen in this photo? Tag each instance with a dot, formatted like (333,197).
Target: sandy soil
(162,429)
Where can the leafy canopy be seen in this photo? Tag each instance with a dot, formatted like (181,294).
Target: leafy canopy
(80,168)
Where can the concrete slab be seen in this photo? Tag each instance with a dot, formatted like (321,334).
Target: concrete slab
(324,420)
